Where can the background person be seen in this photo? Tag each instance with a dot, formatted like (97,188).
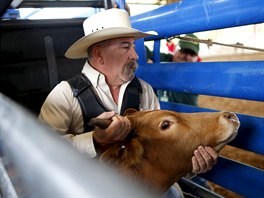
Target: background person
(188,52)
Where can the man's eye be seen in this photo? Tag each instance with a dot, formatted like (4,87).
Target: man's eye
(126,47)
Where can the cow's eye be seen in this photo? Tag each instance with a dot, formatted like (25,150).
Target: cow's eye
(165,125)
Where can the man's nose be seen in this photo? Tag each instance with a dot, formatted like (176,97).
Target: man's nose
(134,54)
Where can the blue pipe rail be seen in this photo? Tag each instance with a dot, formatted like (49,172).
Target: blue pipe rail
(190,16)
(121,4)
(228,79)
(242,179)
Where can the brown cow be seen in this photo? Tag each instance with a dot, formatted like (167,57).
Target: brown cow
(161,144)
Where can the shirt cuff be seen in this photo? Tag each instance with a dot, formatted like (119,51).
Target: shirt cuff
(83,143)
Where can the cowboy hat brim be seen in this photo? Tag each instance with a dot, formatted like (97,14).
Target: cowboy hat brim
(79,48)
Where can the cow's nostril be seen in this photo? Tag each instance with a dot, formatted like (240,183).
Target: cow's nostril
(230,116)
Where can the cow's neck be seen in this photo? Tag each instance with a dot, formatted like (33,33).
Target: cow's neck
(155,177)
(145,161)
(155,173)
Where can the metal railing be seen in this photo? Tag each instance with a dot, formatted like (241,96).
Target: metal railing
(241,79)
(39,163)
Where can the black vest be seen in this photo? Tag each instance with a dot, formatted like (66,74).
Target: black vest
(91,104)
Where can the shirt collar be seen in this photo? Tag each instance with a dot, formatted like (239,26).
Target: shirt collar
(93,75)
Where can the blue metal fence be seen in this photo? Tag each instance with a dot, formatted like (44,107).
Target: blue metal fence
(243,80)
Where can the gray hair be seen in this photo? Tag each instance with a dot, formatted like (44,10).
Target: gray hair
(99,44)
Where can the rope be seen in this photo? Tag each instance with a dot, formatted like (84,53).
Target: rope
(210,42)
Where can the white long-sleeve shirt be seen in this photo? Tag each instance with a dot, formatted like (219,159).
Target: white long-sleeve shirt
(62,112)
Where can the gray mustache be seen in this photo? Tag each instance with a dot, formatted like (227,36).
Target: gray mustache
(131,65)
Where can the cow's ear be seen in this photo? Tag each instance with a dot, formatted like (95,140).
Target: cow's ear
(132,153)
(129,111)
(110,155)
(125,156)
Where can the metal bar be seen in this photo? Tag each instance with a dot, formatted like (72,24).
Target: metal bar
(190,16)
(51,59)
(108,4)
(156,52)
(197,190)
(6,187)
(43,3)
(3,6)
(141,50)
(51,166)
(243,80)
(121,4)
(31,24)
(238,177)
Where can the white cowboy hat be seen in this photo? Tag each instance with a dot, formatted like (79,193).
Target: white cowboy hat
(108,24)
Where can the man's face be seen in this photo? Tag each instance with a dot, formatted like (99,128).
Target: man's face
(120,59)
(185,55)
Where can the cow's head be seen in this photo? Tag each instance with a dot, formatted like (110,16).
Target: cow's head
(161,144)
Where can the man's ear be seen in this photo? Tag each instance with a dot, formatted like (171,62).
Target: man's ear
(97,54)
(129,111)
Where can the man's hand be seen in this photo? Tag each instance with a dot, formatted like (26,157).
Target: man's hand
(203,160)
(117,130)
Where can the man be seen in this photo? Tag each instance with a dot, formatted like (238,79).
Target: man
(188,52)
(108,45)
